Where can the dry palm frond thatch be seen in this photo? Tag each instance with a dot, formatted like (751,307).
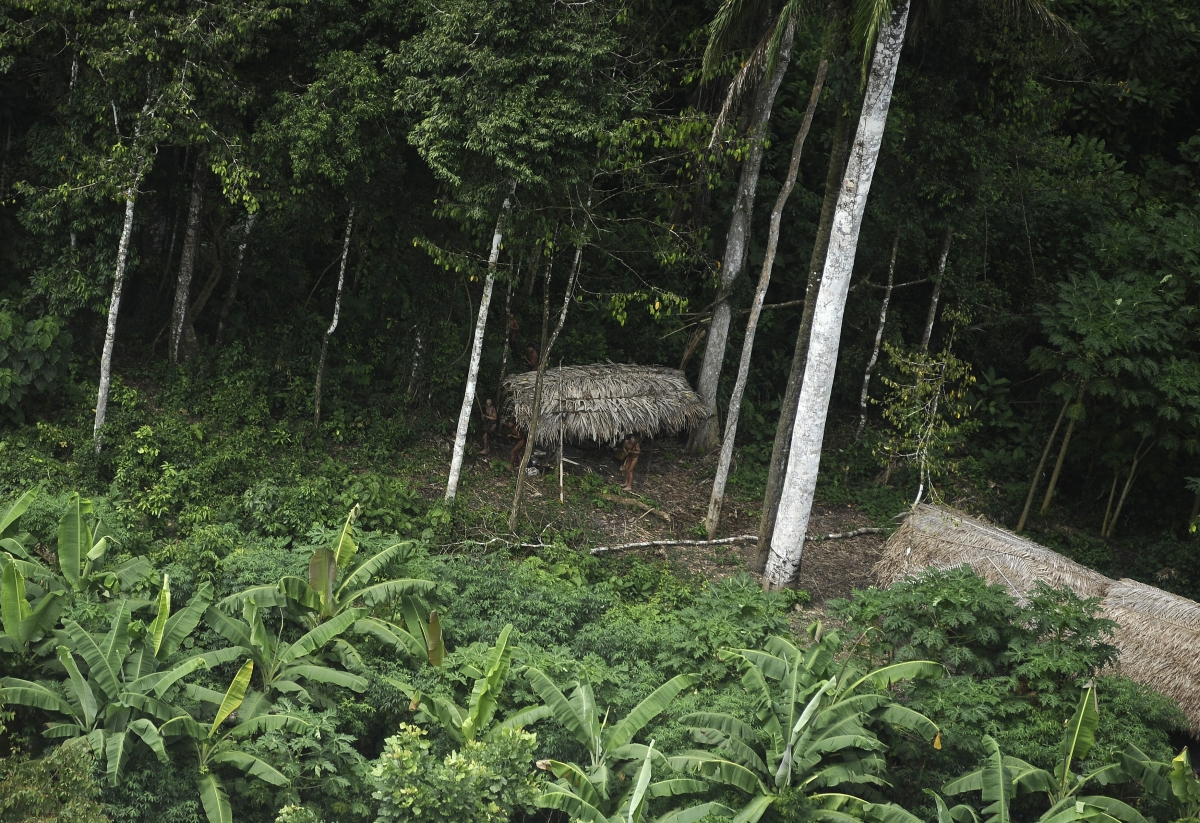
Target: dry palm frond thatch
(1159,633)
(605,402)
(944,538)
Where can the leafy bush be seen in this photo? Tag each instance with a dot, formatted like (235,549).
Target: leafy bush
(483,782)
(33,360)
(56,787)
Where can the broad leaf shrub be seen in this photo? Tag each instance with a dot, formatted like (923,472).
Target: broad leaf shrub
(58,787)
(34,356)
(1015,672)
(483,782)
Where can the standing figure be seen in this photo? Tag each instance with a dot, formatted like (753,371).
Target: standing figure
(491,424)
(531,357)
(630,451)
(517,450)
(514,328)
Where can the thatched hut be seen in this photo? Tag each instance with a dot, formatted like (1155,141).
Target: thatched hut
(604,403)
(1158,635)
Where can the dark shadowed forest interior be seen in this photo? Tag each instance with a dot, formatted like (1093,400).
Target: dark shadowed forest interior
(617,411)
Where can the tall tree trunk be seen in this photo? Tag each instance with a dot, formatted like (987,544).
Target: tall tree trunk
(1195,510)
(704,436)
(337,310)
(114,309)
(739,387)
(787,409)
(1138,455)
(887,298)
(1037,473)
(937,289)
(234,279)
(504,351)
(1112,495)
(543,361)
(187,263)
(804,459)
(464,413)
(1058,464)
(4,164)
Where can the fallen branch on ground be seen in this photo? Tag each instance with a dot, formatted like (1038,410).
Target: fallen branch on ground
(637,504)
(741,538)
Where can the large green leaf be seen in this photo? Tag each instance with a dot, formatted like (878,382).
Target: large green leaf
(753,811)
(14,608)
(694,814)
(295,589)
(1115,808)
(25,693)
(638,797)
(520,719)
(159,682)
(677,786)
(74,538)
(563,711)
(647,710)
(252,766)
(719,769)
(235,631)
(322,575)
(485,695)
(1184,784)
(155,634)
(269,723)
(365,571)
(913,721)
(325,674)
(726,723)
(184,622)
(435,647)
(573,776)
(771,665)
(1079,738)
(233,696)
(43,616)
(884,677)
(392,636)
(344,547)
(80,689)
(214,799)
(182,726)
(387,590)
(144,729)
(104,670)
(8,520)
(322,634)
(864,810)
(575,807)
(961,813)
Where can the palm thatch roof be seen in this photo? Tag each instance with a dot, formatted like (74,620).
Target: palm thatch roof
(1159,633)
(605,402)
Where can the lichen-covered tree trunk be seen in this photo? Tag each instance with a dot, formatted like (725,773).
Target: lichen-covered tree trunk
(937,289)
(1037,473)
(337,311)
(234,279)
(887,298)
(787,409)
(464,413)
(187,262)
(704,436)
(735,399)
(808,433)
(114,309)
(1062,454)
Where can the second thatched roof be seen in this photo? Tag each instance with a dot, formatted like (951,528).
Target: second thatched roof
(605,402)
(1159,633)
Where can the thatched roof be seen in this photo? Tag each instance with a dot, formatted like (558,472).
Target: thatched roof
(1158,635)
(605,402)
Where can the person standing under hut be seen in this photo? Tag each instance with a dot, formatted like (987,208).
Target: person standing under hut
(629,452)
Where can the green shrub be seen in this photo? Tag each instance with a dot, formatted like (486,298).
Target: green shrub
(33,360)
(56,787)
(483,782)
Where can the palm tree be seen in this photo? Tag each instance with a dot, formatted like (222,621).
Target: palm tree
(877,23)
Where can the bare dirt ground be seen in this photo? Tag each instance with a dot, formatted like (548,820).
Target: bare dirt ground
(669,502)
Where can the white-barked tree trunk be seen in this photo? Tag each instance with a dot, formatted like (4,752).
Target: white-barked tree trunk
(187,263)
(464,414)
(337,311)
(887,298)
(114,309)
(808,434)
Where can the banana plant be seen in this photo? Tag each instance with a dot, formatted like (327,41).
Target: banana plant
(1175,782)
(118,686)
(611,751)
(333,587)
(813,728)
(24,622)
(283,667)
(214,748)
(465,724)
(1002,777)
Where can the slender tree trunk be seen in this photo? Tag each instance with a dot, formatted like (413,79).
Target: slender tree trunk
(1195,509)
(704,436)
(337,310)
(464,413)
(4,165)
(1037,473)
(114,309)
(543,361)
(1058,464)
(887,298)
(504,351)
(210,286)
(787,544)
(1112,494)
(1138,454)
(234,279)
(739,387)
(937,289)
(187,263)
(787,409)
